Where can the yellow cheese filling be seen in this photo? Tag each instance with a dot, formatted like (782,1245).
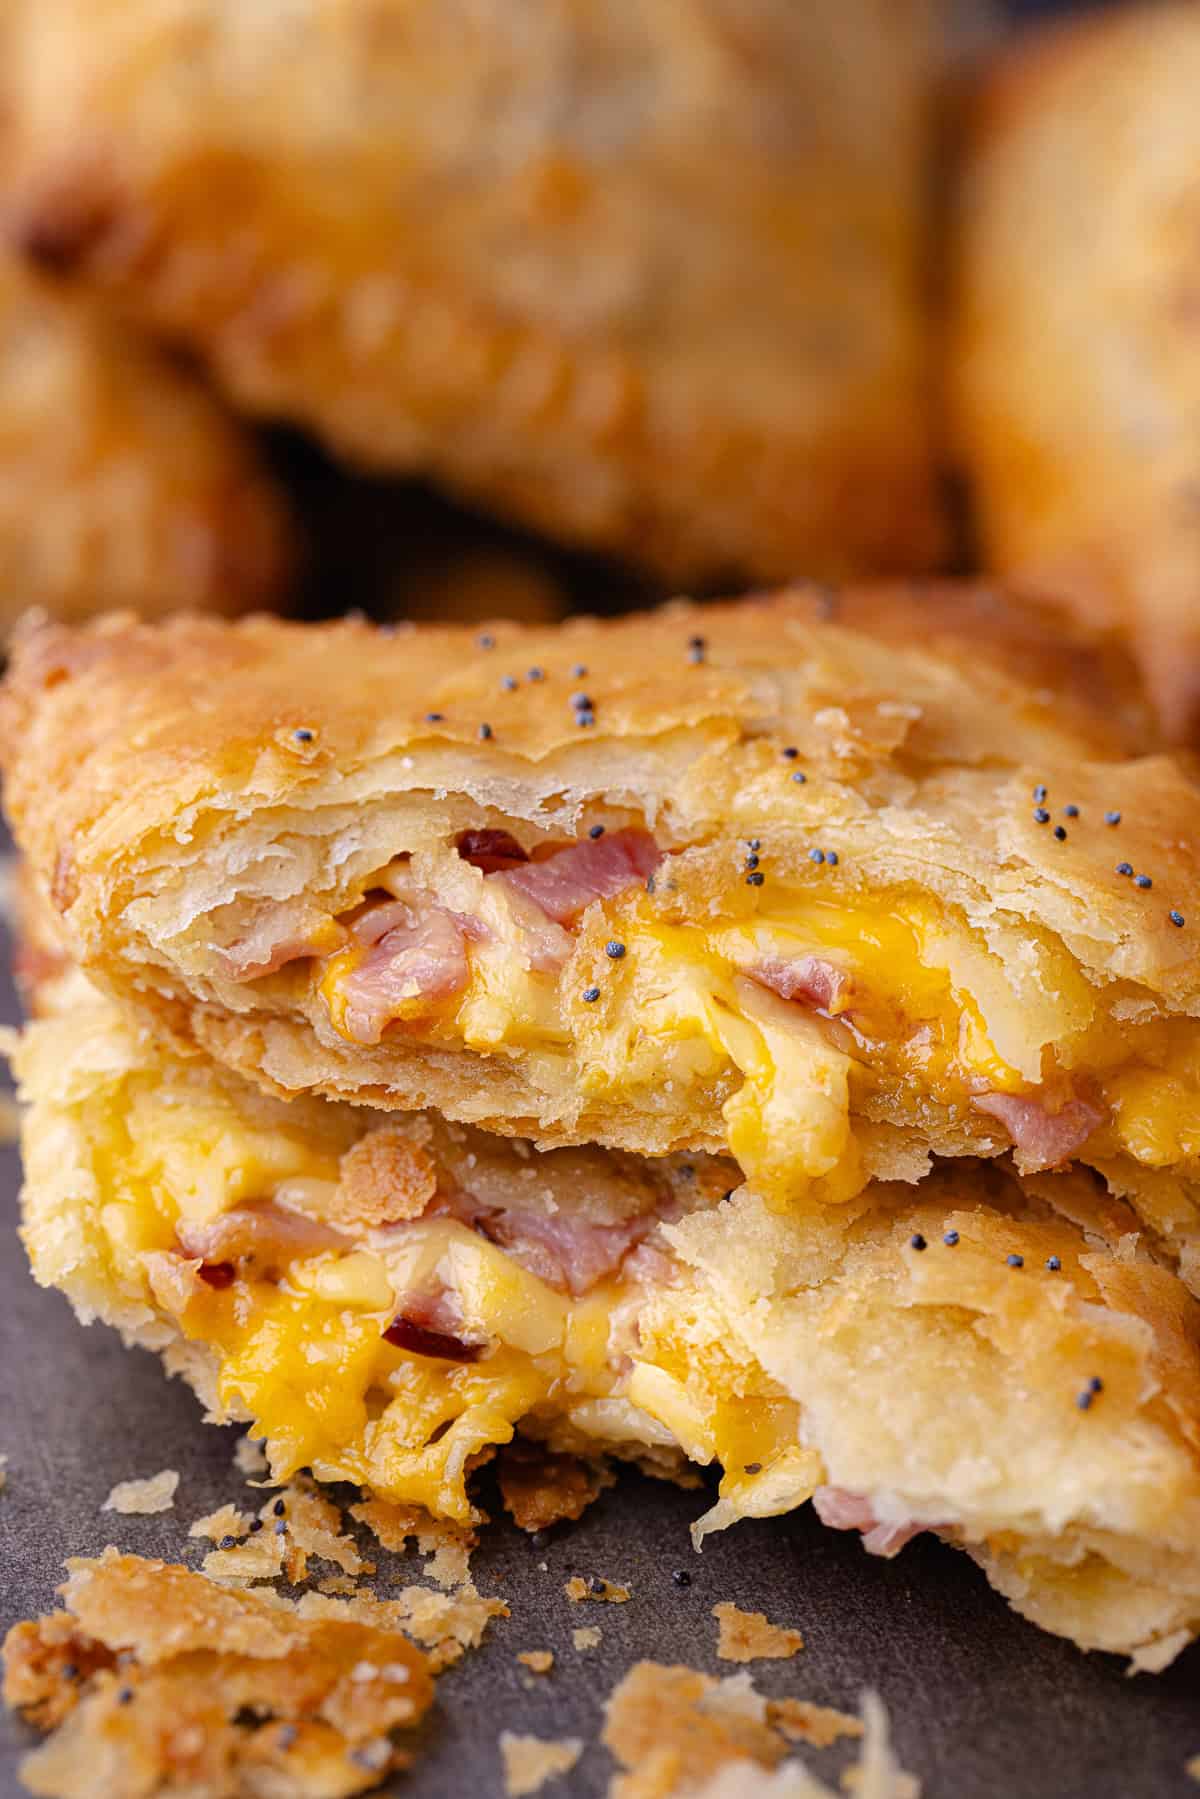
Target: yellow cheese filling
(932,1016)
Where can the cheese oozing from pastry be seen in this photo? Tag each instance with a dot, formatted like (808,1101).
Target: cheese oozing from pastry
(795,1028)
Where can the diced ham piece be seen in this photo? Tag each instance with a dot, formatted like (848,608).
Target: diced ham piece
(810,979)
(490,851)
(843,1510)
(565,884)
(1042,1139)
(430,1324)
(566,1251)
(277,939)
(419,953)
(271,1234)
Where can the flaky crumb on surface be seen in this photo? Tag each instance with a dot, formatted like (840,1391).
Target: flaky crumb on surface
(540,1488)
(1191,1768)
(337,1583)
(154,1494)
(249,1457)
(818,1725)
(608,1592)
(681,1734)
(153,1679)
(226,1521)
(538,1661)
(449,1545)
(750,1637)
(587,1637)
(529,1762)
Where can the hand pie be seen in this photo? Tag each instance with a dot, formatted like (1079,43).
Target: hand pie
(122,483)
(1075,369)
(829,893)
(387,1299)
(649,277)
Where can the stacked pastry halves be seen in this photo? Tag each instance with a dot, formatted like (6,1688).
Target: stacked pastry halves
(765,1035)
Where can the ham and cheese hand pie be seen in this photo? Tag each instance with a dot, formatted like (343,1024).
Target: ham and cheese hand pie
(648,277)
(387,1299)
(1075,365)
(831,893)
(122,482)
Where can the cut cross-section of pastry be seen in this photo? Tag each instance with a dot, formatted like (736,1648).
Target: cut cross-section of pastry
(1007,1364)
(829,893)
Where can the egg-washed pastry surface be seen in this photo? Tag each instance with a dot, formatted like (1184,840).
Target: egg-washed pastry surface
(1008,1364)
(831,893)
(651,277)
(122,482)
(1075,370)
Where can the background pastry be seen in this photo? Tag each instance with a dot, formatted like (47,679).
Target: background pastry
(122,482)
(1075,363)
(651,278)
(746,878)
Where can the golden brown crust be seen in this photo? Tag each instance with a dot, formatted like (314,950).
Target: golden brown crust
(897,727)
(650,278)
(157,1679)
(122,483)
(1074,371)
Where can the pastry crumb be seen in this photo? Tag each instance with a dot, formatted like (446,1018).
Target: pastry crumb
(249,1457)
(538,1661)
(1191,1768)
(226,1521)
(749,1637)
(148,1676)
(540,1488)
(448,1544)
(586,1637)
(337,1583)
(529,1762)
(154,1494)
(577,1589)
(818,1725)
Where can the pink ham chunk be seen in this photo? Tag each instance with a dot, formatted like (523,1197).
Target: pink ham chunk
(279,937)
(413,952)
(565,884)
(843,1510)
(809,979)
(1042,1139)
(566,1251)
(270,1235)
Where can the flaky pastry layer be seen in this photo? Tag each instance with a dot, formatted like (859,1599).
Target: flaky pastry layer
(822,881)
(1007,1364)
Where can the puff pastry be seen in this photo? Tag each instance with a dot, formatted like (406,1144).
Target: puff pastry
(817,882)
(122,482)
(649,277)
(386,1301)
(1075,368)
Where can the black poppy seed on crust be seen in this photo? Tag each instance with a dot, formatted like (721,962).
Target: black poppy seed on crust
(595,1584)
(125,1696)
(486,641)
(256,1525)
(1041,816)
(1060,831)
(485,733)
(1070,811)
(596,831)
(950,1239)
(303,735)
(917,1241)
(756,878)
(1176,917)
(614,950)
(751,860)
(681,1577)
(69,1671)
(579,671)
(790,753)
(831,857)
(800,777)
(281,1527)
(1039,793)
(582,702)
(535,674)
(509,683)
(584,719)
(1124,868)
(1053,1263)
(591,995)
(754,843)
(1015,1261)
(1142,881)
(279,1508)
(1112,818)
(1084,1400)
(227,1543)
(816,855)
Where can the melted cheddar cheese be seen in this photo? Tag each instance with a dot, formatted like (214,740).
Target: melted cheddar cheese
(932,1016)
